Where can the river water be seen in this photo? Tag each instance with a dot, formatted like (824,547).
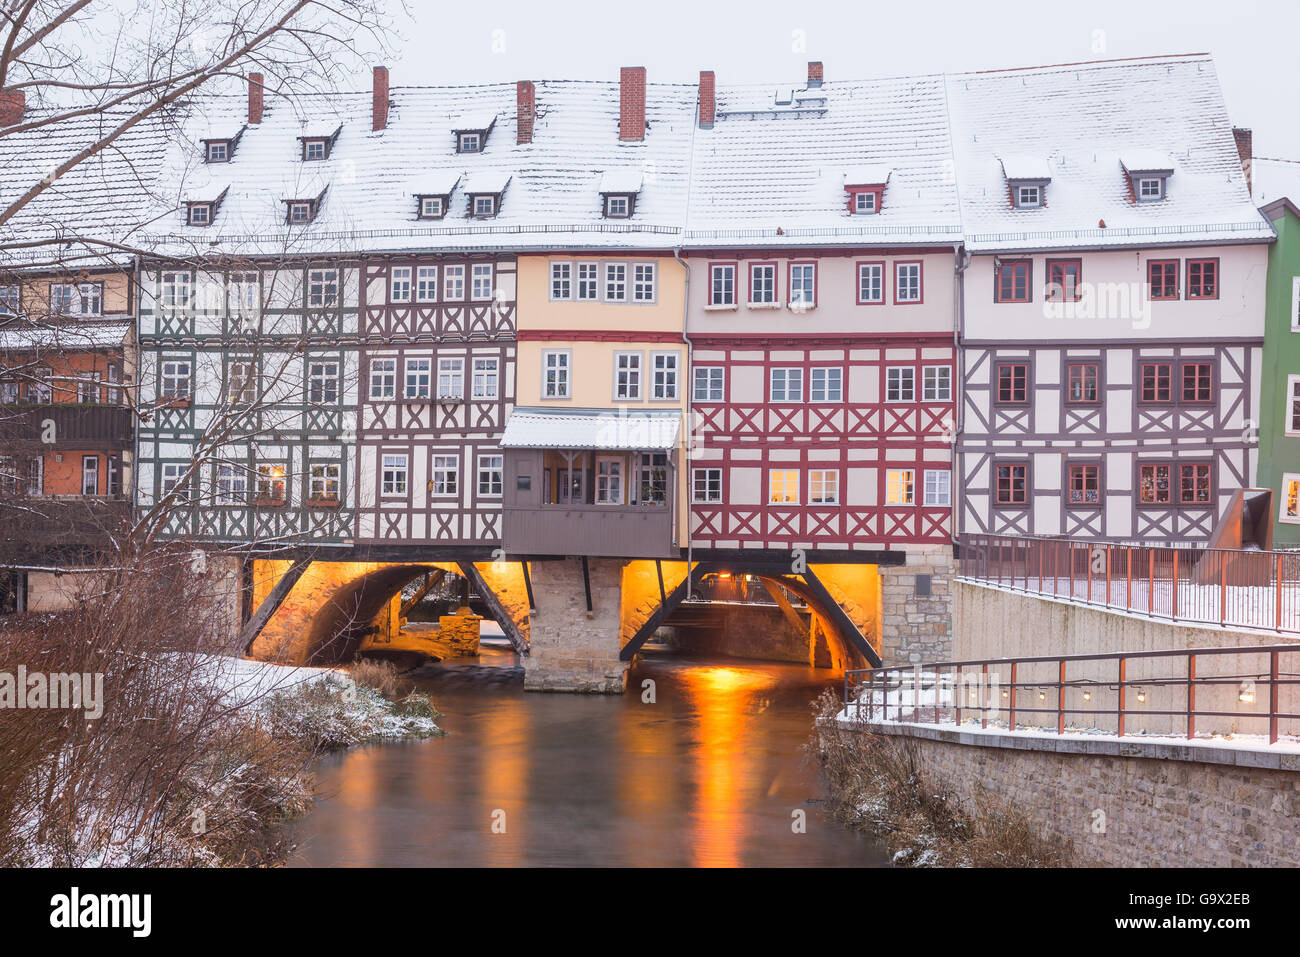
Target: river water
(711,773)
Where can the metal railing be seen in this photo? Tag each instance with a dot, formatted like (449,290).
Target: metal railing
(1193,585)
(1247,686)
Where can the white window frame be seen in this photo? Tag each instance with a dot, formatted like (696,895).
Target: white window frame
(1143,195)
(1024,190)
(324,375)
(453,283)
(423,377)
(866,271)
(400,284)
(230,484)
(618,206)
(665,369)
(712,486)
(383,379)
(244,293)
(611,486)
(426,284)
(300,211)
(629,369)
(826,377)
(562,281)
(322,288)
(763,284)
(173,383)
(1291,409)
(330,475)
(902,286)
(587,282)
(241,381)
(313,150)
(775,497)
(563,367)
(810,271)
(482,282)
(200,214)
(786,375)
(895,377)
(722,284)
(937,492)
(216,147)
(90,470)
(485,206)
(451,377)
(394,474)
(864,208)
(36,476)
(714,379)
(900,487)
(491,465)
(469,142)
(169,478)
(827,485)
(614,289)
(431,207)
(444,475)
(931,380)
(486,376)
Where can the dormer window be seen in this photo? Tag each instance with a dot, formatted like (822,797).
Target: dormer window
(318,148)
(619,189)
(618,206)
(472,131)
(485,191)
(1148,173)
(1027,178)
(866,188)
(483,206)
(432,207)
(301,211)
(222,149)
(200,214)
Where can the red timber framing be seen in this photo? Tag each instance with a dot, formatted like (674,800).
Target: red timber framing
(438,427)
(862,436)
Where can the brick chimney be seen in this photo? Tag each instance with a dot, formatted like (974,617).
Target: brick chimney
(13,103)
(379,100)
(708,99)
(814,74)
(1243,139)
(254,98)
(525,110)
(631,96)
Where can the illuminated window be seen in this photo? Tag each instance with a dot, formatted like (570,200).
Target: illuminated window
(900,487)
(393,475)
(823,487)
(783,487)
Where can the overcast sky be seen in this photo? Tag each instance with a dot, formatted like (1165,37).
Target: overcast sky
(1254,43)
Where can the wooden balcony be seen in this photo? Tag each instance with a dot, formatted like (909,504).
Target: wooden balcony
(38,529)
(25,427)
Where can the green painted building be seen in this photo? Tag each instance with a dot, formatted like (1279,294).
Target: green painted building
(1279,427)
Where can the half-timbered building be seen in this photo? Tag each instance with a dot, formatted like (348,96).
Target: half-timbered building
(1112,301)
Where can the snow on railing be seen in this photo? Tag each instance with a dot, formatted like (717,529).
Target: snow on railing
(1240,588)
(1184,692)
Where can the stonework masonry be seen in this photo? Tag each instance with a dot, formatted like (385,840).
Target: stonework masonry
(917,628)
(1128,811)
(570,649)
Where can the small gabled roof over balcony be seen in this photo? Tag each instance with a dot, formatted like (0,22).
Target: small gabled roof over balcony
(598,429)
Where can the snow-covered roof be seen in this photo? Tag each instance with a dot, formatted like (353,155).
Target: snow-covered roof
(764,177)
(474,122)
(18,335)
(1017,166)
(1081,119)
(487,181)
(876,175)
(621,181)
(435,183)
(624,430)
(1145,161)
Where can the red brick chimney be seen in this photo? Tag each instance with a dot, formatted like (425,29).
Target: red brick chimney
(814,74)
(13,103)
(254,98)
(525,110)
(1243,138)
(708,99)
(379,100)
(631,95)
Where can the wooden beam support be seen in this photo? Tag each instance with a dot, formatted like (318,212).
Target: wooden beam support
(431,581)
(787,609)
(503,617)
(259,619)
(839,619)
(661,613)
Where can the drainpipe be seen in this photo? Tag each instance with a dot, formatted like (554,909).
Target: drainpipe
(963,261)
(690,398)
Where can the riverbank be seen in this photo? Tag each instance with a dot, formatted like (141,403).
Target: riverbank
(877,784)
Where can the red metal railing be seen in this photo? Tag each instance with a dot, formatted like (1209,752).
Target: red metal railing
(1156,689)
(1215,586)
